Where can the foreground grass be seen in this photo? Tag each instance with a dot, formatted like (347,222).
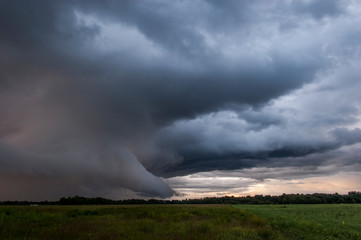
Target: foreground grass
(132,222)
(329,221)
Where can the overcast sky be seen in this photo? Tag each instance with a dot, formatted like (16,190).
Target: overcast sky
(176,99)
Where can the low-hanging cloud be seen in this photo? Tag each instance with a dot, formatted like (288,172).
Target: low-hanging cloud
(100,96)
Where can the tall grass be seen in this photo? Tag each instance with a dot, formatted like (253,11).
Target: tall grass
(312,221)
(132,222)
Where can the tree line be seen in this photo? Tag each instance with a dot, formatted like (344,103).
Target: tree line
(316,198)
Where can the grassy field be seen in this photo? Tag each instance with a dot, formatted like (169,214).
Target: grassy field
(336,221)
(182,222)
(132,222)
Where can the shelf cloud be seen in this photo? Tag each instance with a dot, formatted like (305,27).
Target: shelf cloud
(128,98)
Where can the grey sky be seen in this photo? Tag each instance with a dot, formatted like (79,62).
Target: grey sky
(122,98)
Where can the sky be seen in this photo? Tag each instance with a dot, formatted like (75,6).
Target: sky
(179,99)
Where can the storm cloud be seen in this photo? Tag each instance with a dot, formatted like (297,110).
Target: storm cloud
(122,98)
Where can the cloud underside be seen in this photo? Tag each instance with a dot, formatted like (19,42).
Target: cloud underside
(129,98)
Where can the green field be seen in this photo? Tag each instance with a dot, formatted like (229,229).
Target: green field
(132,222)
(313,221)
(181,222)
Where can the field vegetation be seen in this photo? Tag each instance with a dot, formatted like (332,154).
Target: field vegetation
(312,221)
(132,222)
(182,221)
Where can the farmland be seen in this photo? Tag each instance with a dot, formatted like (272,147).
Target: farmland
(312,221)
(181,222)
(132,222)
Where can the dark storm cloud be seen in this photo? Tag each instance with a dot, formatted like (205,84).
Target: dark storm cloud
(101,95)
(318,9)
